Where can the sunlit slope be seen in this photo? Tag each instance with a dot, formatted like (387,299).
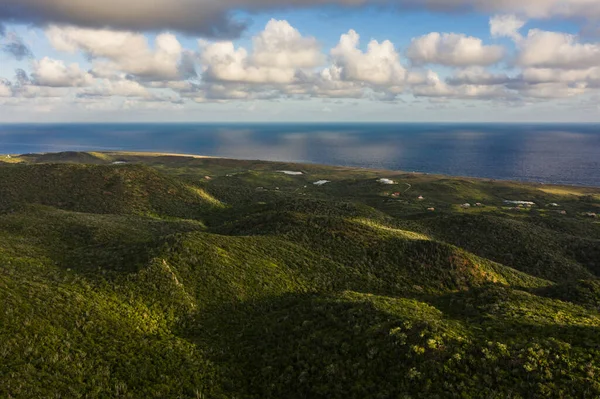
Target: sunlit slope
(381,258)
(128,189)
(314,254)
(70,157)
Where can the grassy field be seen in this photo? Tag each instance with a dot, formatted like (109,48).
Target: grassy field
(139,275)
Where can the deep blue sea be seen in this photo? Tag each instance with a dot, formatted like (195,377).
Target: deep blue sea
(562,154)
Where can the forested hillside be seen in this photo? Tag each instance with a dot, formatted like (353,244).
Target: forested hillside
(127,275)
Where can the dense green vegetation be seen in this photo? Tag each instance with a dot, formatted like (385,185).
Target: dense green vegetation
(151,276)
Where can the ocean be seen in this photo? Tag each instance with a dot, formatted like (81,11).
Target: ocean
(546,153)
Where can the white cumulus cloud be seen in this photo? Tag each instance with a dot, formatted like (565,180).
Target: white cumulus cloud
(543,49)
(379,65)
(279,52)
(453,49)
(127,52)
(281,45)
(54,73)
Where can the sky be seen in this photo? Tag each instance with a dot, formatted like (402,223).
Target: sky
(299,61)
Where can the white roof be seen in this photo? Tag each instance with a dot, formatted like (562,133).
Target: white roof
(519,202)
(290,172)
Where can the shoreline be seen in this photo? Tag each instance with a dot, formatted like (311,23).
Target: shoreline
(390,172)
(153,154)
(349,168)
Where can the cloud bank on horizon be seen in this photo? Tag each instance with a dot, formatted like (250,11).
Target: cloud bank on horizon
(127,54)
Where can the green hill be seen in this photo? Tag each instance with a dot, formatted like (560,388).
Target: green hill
(176,277)
(128,189)
(582,292)
(69,157)
(525,246)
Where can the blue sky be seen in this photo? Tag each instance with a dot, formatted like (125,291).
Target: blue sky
(496,61)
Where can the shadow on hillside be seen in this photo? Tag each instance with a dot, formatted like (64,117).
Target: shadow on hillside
(527,247)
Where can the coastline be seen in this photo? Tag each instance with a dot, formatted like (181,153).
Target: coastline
(572,189)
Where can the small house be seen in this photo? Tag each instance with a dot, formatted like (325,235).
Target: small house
(523,203)
(290,172)
(321,182)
